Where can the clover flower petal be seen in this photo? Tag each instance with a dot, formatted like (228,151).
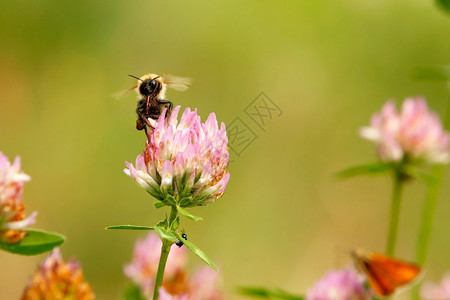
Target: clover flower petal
(432,291)
(414,133)
(12,210)
(184,162)
(343,284)
(57,279)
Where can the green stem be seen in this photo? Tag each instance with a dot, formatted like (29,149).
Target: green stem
(395,213)
(165,249)
(428,214)
(173,214)
(431,200)
(429,209)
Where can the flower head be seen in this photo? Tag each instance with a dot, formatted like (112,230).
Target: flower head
(413,133)
(57,279)
(344,284)
(12,210)
(184,162)
(177,285)
(205,285)
(431,291)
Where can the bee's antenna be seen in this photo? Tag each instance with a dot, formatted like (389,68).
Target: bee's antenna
(135,77)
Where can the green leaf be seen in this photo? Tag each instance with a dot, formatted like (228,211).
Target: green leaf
(185,201)
(132,292)
(175,224)
(159,204)
(164,223)
(440,73)
(35,242)
(165,234)
(171,200)
(196,251)
(369,169)
(188,215)
(268,293)
(422,176)
(444,5)
(129,227)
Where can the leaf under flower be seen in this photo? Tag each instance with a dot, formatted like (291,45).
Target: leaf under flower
(130,227)
(35,242)
(188,215)
(368,169)
(196,251)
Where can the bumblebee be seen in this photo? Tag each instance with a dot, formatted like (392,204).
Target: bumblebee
(151,90)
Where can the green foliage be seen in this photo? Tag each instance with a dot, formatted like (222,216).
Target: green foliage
(129,227)
(416,173)
(196,251)
(132,292)
(159,204)
(175,223)
(188,215)
(368,169)
(444,5)
(36,242)
(438,73)
(165,234)
(268,293)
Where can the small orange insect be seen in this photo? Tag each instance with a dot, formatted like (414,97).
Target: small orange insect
(385,274)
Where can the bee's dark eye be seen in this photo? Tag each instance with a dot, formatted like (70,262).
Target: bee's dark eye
(147,87)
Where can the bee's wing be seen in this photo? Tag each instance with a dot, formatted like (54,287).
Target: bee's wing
(122,93)
(177,83)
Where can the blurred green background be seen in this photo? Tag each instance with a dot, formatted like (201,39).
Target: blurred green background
(284,220)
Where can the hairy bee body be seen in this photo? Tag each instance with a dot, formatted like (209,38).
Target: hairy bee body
(151,90)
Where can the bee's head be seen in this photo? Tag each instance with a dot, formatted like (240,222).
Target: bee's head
(149,84)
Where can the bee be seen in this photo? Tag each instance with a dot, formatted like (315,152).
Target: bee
(151,90)
(180,243)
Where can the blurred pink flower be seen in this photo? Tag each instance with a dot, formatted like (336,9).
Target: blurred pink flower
(12,210)
(344,284)
(142,270)
(204,285)
(414,133)
(431,291)
(57,279)
(184,162)
(164,295)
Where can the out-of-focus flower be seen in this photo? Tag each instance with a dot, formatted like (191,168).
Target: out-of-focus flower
(343,284)
(431,291)
(144,266)
(164,295)
(184,162)
(415,133)
(204,285)
(56,279)
(12,210)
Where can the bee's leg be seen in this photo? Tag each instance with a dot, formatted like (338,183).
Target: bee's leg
(161,101)
(144,119)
